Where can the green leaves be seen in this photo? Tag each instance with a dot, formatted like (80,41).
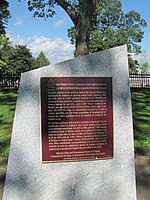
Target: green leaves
(41,61)
(20,59)
(134,65)
(144,67)
(4,15)
(114,28)
(41,8)
(4,46)
(128,28)
(72,34)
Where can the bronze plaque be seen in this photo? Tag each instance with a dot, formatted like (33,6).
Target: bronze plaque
(76,118)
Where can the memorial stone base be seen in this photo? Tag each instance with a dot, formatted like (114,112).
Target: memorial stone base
(82,179)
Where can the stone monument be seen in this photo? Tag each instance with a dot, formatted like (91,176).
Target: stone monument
(72,135)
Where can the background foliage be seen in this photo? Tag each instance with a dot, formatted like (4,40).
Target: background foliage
(4,15)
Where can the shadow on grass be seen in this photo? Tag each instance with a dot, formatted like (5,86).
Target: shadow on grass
(9,98)
(7,109)
(141,117)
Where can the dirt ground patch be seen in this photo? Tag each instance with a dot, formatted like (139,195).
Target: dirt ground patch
(2,178)
(143,180)
(142,164)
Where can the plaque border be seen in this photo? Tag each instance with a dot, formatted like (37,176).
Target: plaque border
(80,160)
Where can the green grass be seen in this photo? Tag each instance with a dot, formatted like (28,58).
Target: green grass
(141,118)
(7,108)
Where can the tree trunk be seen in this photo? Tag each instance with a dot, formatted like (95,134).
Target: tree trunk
(82,38)
(83,21)
(84,26)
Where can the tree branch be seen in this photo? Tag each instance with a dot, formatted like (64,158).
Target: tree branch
(69,9)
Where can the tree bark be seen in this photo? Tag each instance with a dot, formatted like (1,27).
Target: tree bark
(83,21)
(69,10)
(84,26)
(82,37)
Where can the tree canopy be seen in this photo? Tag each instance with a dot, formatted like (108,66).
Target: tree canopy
(144,67)
(41,61)
(20,59)
(4,15)
(133,65)
(114,28)
(98,24)
(4,47)
(81,12)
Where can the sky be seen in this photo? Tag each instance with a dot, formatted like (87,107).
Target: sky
(50,36)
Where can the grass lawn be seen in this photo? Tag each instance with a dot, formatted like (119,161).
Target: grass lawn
(141,120)
(7,108)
